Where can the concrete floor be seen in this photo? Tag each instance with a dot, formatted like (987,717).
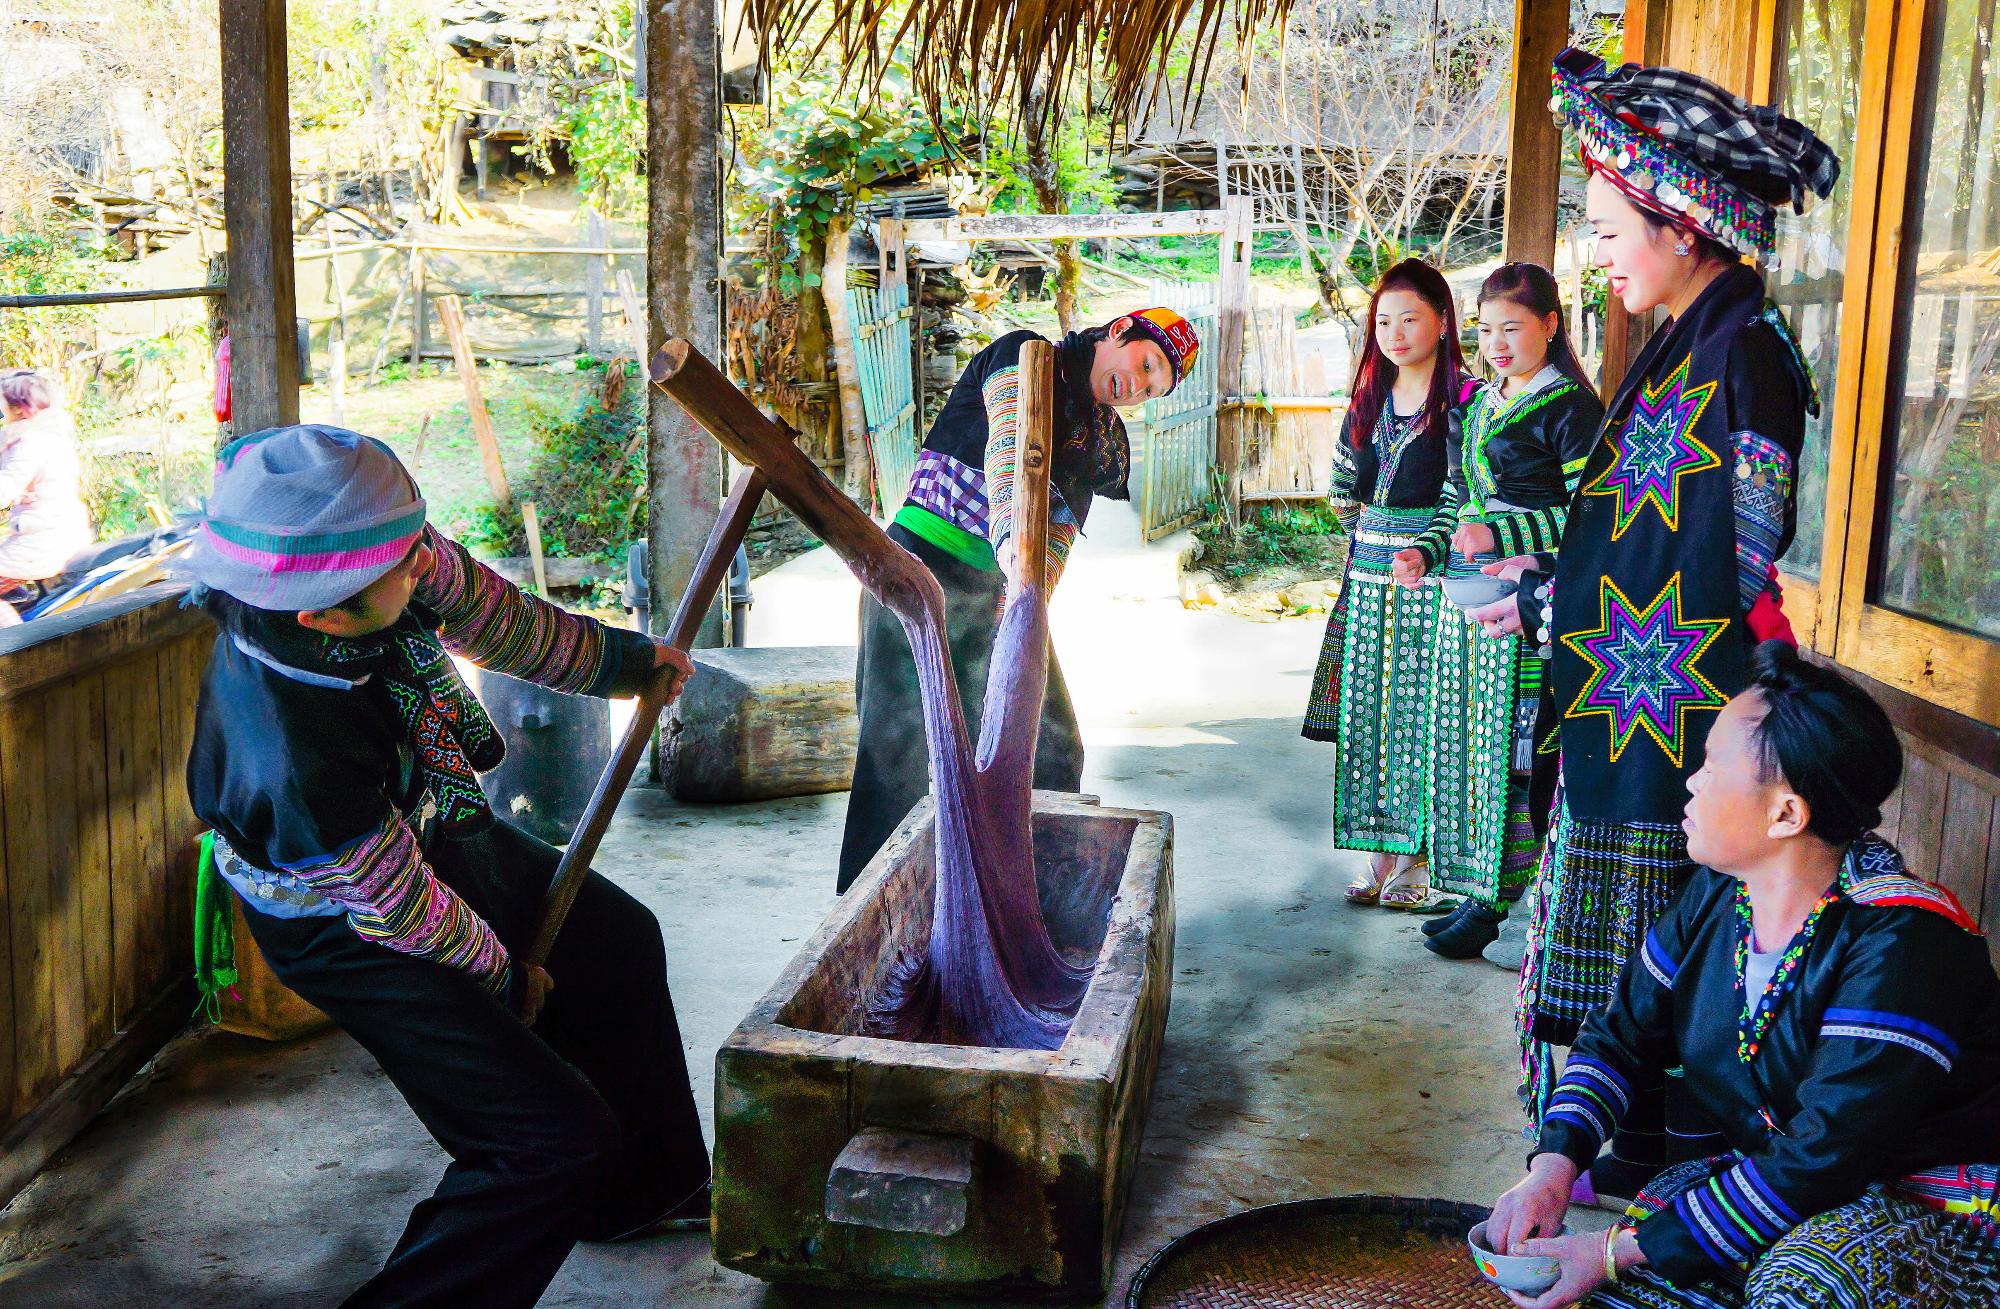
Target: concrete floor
(1312,1049)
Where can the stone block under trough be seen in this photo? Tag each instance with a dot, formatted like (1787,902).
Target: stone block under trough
(816,1123)
(760,722)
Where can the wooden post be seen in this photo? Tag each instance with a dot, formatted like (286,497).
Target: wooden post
(336,343)
(257,170)
(531,523)
(635,318)
(1534,148)
(420,311)
(858,472)
(1232,303)
(451,313)
(683,266)
(1031,477)
(889,252)
(388,331)
(598,235)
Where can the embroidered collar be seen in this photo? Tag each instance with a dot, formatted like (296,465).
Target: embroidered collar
(1489,413)
(1757,1012)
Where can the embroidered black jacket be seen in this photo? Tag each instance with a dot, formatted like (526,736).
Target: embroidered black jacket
(1881,1058)
(1684,506)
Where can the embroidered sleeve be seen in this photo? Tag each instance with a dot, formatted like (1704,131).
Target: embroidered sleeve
(1003,427)
(488,620)
(1574,431)
(1621,1045)
(1528,531)
(1762,492)
(1345,473)
(1768,394)
(394,899)
(1888,1038)
(1535,602)
(1435,542)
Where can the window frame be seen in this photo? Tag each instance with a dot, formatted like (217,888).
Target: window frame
(1837,617)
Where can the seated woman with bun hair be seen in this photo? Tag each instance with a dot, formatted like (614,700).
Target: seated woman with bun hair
(1835,1021)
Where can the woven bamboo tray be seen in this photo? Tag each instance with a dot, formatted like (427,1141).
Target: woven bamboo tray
(1341,1252)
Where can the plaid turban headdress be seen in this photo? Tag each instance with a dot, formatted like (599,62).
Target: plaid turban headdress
(1690,151)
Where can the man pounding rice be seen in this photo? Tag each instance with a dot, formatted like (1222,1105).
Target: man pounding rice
(958,520)
(336,756)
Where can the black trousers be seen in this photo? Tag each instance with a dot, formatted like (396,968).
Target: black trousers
(582,1126)
(891,770)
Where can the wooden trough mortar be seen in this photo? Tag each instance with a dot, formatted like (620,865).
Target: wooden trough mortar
(844,1160)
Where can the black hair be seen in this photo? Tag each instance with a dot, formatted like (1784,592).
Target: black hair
(1828,740)
(1103,332)
(1534,288)
(1375,375)
(1706,248)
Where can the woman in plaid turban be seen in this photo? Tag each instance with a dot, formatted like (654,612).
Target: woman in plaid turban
(959,520)
(1649,620)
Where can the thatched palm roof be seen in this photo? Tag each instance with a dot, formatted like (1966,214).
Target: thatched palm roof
(1019,57)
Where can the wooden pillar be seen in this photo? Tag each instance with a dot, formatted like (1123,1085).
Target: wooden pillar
(1232,307)
(683,272)
(257,211)
(1624,335)
(1534,140)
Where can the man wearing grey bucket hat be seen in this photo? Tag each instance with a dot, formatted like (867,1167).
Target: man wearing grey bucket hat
(336,757)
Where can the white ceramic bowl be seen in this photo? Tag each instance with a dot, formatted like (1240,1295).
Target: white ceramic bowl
(1477,590)
(1528,1274)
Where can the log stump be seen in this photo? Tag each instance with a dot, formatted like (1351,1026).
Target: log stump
(761,722)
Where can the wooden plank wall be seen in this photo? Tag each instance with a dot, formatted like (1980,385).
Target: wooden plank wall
(1946,820)
(96,862)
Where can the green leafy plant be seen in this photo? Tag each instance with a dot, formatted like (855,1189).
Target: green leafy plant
(588,480)
(606,131)
(43,260)
(822,151)
(1083,172)
(1305,538)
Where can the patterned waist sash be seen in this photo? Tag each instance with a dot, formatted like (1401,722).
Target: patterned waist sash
(1379,534)
(953,490)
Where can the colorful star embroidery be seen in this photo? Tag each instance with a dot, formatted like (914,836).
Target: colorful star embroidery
(1654,450)
(1642,667)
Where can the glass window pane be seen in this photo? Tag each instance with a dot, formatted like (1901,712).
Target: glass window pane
(1940,559)
(1821,87)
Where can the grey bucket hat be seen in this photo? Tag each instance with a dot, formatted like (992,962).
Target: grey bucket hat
(303,517)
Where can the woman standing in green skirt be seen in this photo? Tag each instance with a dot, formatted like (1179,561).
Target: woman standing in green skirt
(1524,439)
(1372,692)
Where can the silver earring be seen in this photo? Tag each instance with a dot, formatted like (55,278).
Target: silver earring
(1683,249)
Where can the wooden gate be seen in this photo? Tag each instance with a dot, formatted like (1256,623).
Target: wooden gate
(1173,451)
(881,319)
(1186,447)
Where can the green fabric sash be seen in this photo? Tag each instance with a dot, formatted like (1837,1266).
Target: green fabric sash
(214,932)
(948,537)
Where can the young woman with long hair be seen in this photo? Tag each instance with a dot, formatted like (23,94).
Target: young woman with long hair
(1522,445)
(1373,686)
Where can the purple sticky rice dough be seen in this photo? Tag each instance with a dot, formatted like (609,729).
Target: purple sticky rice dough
(989,975)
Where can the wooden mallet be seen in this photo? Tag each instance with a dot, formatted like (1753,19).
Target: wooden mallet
(709,572)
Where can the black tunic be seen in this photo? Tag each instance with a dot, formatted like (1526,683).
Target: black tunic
(1881,1058)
